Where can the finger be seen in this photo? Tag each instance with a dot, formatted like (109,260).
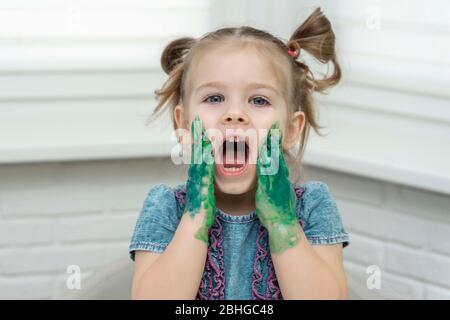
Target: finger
(269,141)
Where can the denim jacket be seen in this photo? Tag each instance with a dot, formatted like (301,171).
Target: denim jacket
(238,264)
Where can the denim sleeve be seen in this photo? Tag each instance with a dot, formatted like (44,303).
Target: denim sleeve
(321,217)
(157,221)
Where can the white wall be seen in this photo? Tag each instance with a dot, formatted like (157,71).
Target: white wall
(404,231)
(53,215)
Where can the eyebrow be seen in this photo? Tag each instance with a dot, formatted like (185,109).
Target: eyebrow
(253,85)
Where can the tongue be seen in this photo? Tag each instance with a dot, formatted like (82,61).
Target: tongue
(232,163)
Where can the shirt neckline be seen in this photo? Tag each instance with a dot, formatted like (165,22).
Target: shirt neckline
(248,217)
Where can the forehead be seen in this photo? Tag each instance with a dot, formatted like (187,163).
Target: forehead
(233,67)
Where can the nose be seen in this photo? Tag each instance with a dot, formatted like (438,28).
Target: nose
(235,115)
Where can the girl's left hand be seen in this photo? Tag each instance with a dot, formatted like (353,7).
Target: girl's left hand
(200,184)
(275,197)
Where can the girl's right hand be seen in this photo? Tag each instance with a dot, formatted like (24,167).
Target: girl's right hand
(200,185)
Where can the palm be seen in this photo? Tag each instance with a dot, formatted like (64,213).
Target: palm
(275,197)
(200,184)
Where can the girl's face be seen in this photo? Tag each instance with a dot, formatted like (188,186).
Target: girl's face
(234,91)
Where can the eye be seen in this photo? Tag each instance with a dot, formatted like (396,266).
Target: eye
(211,96)
(262,99)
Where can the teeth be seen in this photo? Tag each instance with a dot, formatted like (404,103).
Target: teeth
(232,169)
(234,139)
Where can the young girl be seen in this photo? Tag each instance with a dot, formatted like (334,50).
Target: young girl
(242,230)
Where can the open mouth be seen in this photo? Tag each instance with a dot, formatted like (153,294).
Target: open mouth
(233,158)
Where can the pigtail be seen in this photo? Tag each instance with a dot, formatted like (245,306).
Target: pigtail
(172,62)
(315,35)
(174,53)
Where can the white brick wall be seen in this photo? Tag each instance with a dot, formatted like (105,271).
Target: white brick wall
(404,231)
(53,215)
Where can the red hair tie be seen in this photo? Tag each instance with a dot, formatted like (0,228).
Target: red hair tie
(294,54)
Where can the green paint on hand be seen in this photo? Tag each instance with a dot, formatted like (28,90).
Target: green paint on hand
(200,184)
(275,197)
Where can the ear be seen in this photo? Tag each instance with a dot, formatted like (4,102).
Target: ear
(179,117)
(294,129)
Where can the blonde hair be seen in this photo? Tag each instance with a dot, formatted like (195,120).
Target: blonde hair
(314,35)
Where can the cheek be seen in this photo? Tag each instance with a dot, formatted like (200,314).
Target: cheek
(264,119)
(209,116)
(264,125)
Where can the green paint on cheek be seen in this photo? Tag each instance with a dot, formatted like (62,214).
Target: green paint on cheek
(200,184)
(275,197)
